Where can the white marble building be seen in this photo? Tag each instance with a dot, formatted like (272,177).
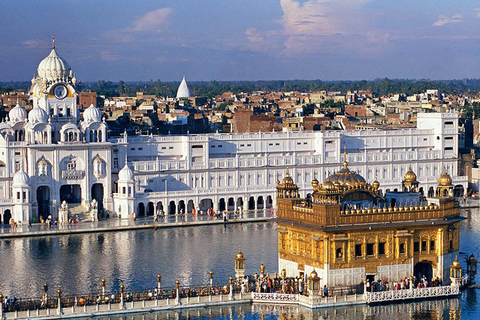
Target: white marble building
(52,155)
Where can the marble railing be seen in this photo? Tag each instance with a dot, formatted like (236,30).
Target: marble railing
(259,297)
(419,293)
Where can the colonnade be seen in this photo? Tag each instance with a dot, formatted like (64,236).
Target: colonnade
(149,207)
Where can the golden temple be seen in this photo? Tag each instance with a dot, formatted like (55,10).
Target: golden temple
(347,230)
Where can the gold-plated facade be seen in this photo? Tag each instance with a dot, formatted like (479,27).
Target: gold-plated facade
(347,231)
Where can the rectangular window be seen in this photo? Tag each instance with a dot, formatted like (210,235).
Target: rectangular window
(124,190)
(212,146)
(402,248)
(424,245)
(449,123)
(381,248)
(197,147)
(115,163)
(432,245)
(140,148)
(358,250)
(249,145)
(18,195)
(451,245)
(132,148)
(270,144)
(170,148)
(449,148)
(24,195)
(448,138)
(370,251)
(219,145)
(416,246)
(17,153)
(242,145)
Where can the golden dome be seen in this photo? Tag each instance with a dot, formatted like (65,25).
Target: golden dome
(239,254)
(314,183)
(376,184)
(313,274)
(287,180)
(344,177)
(445,179)
(456,263)
(410,176)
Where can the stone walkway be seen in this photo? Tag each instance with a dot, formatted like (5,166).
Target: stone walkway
(114,224)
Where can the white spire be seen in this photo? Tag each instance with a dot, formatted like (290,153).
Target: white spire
(183,91)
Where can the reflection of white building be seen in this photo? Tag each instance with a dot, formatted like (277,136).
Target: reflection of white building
(60,157)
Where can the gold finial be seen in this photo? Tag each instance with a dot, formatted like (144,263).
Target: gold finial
(53,41)
(345,163)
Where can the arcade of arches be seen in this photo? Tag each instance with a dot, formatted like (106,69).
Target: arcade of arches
(187,206)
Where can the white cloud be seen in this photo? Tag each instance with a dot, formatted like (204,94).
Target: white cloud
(253,35)
(478,12)
(443,20)
(34,43)
(153,20)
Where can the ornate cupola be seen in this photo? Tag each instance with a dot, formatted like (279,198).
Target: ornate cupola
(287,188)
(445,186)
(410,182)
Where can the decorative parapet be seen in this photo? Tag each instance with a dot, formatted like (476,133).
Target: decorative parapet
(72,174)
(419,293)
(275,297)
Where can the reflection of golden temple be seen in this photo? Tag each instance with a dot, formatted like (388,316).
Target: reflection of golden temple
(348,230)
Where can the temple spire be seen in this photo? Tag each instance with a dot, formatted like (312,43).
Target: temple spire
(345,163)
(53,41)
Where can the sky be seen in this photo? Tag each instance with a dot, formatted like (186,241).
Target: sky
(243,39)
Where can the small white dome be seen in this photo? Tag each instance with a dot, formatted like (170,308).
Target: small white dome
(126,174)
(37,115)
(53,67)
(20,179)
(92,114)
(17,114)
(183,91)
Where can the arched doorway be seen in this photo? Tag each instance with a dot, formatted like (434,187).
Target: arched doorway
(7,215)
(71,193)
(458,191)
(423,268)
(221,204)
(231,204)
(205,204)
(172,208)
(251,203)
(43,200)
(97,194)
(190,206)
(260,204)
(181,206)
(431,192)
(239,203)
(269,202)
(141,209)
(150,210)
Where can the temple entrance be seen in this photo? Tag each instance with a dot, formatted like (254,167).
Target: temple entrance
(71,193)
(423,268)
(7,215)
(43,200)
(97,194)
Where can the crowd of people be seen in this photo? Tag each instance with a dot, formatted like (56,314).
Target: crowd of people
(405,283)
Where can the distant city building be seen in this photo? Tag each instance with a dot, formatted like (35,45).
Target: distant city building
(54,155)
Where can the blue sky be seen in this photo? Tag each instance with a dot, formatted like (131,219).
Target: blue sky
(243,39)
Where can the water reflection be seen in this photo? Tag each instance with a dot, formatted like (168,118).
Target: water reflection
(77,263)
(425,310)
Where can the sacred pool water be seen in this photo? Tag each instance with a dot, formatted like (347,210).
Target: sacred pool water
(77,263)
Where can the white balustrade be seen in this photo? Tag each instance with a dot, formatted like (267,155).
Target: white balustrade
(405,294)
(272,297)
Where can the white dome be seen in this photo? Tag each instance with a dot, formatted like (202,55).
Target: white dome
(92,114)
(183,91)
(53,67)
(37,115)
(20,179)
(126,174)
(17,114)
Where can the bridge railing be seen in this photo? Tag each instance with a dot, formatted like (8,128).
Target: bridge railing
(405,294)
